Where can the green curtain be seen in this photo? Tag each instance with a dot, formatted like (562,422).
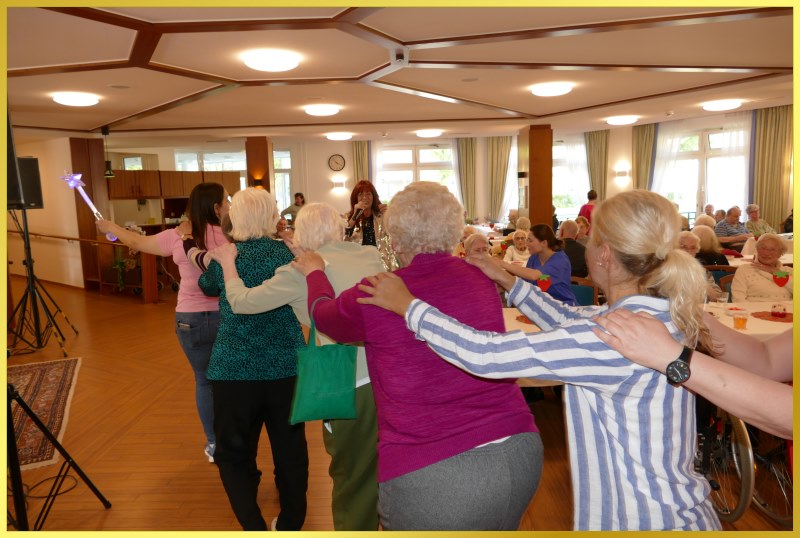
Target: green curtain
(597,160)
(361,168)
(773,161)
(465,159)
(642,151)
(498,151)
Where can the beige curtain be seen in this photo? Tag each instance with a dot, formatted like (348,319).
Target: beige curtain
(498,151)
(642,151)
(597,160)
(772,163)
(465,159)
(361,167)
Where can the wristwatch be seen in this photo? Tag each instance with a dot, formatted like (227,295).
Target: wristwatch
(678,370)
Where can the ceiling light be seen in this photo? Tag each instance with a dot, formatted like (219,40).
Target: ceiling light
(273,60)
(621,120)
(322,110)
(429,133)
(75,98)
(339,136)
(109,173)
(551,89)
(724,104)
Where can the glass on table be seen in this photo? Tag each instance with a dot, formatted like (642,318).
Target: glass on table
(722,298)
(740,319)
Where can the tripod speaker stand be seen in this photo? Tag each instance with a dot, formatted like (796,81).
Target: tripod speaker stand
(20,519)
(28,330)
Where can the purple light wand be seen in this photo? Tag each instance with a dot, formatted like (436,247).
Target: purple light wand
(74,181)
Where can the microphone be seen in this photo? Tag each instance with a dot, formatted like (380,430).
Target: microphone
(357,214)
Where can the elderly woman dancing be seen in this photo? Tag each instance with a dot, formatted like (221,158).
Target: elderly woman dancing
(631,431)
(252,371)
(455,452)
(350,443)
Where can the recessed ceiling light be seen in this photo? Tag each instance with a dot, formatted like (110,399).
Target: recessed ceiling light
(272,60)
(551,89)
(429,133)
(621,120)
(75,98)
(339,136)
(723,104)
(322,110)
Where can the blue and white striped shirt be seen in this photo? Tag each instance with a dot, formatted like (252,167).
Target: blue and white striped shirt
(631,434)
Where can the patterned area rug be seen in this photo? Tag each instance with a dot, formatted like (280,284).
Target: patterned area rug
(47,388)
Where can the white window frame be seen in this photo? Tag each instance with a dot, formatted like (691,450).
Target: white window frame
(416,167)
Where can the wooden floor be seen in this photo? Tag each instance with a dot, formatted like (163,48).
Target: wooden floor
(134,430)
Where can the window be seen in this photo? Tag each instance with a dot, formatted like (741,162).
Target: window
(282,160)
(398,166)
(132,163)
(704,173)
(193,161)
(570,176)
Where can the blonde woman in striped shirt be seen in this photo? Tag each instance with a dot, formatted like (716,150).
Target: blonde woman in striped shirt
(631,432)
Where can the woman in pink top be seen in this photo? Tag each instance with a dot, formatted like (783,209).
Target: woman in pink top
(588,207)
(196,315)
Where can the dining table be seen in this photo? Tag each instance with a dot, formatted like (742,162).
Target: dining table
(761,323)
(515,320)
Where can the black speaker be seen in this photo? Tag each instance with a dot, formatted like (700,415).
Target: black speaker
(31,182)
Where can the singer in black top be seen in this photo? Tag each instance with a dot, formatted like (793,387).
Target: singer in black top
(365,223)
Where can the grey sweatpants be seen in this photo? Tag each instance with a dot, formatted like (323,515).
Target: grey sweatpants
(486,488)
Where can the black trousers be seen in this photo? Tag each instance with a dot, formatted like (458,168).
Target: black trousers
(241,409)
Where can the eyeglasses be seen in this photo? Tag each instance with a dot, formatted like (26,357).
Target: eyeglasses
(364,194)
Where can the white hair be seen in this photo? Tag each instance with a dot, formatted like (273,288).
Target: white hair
(424,217)
(253,214)
(318,224)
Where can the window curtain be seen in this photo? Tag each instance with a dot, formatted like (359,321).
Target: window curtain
(772,163)
(361,161)
(465,168)
(597,159)
(498,149)
(575,150)
(668,144)
(643,151)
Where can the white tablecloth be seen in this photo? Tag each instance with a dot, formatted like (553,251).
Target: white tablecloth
(749,247)
(758,328)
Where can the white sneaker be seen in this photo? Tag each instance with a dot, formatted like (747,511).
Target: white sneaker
(209,451)
(274,525)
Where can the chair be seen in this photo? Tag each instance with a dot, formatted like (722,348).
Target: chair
(725,284)
(586,291)
(719,271)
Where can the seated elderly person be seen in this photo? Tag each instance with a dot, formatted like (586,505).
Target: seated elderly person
(765,279)
(732,233)
(689,242)
(710,252)
(755,224)
(513,214)
(719,214)
(705,220)
(583,230)
(476,243)
(575,251)
(518,253)
(709,210)
(468,231)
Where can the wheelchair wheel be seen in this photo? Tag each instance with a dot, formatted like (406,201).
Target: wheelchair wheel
(727,463)
(773,476)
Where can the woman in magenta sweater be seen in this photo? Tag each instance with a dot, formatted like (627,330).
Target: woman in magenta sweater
(455,452)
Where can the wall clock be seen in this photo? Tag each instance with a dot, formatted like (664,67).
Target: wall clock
(336,162)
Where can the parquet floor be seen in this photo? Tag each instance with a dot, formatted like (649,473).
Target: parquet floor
(134,430)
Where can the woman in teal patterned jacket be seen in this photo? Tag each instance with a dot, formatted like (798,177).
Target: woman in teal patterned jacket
(252,372)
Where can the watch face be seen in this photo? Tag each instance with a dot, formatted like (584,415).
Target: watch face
(336,162)
(678,371)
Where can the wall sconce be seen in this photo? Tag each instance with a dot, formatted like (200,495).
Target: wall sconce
(622,175)
(339,182)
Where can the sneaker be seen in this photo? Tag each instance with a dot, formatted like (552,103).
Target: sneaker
(274,525)
(209,451)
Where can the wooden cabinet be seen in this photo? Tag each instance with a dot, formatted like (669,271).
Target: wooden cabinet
(230,180)
(134,184)
(179,184)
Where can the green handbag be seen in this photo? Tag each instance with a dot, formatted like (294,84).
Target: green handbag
(326,380)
